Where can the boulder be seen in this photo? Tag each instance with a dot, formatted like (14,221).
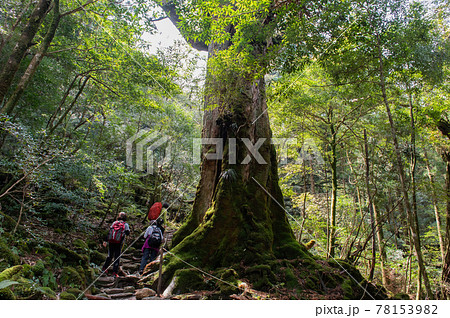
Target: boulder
(144,293)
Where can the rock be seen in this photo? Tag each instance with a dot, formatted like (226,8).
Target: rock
(96,297)
(111,291)
(105,282)
(97,257)
(70,277)
(144,293)
(130,266)
(121,295)
(127,281)
(129,289)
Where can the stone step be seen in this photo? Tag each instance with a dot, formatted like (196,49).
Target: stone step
(127,281)
(129,289)
(105,281)
(130,266)
(96,297)
(111,291)
(121,295)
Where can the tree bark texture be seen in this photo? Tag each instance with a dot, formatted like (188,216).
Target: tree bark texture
(35,61)
(12,65)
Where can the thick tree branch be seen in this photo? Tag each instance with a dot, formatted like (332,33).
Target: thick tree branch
(170,9)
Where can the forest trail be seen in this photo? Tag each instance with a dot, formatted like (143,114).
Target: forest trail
(126,286)
(130,285)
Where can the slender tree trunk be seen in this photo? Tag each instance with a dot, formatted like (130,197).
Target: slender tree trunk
(22,45)
(410,213)
(69,108)
(35,61)
(332,233)
(446,264)
(370,207)
(435,205)
(444,127)
(413,185)
(381,247)
(311,178)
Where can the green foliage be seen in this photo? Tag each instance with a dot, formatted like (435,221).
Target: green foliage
(70,277)
(67,296)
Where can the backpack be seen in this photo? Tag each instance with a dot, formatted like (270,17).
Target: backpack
(116,232)
(154,211)
(155,238)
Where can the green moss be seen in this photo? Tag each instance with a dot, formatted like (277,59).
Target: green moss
(261,276)
(189,280)
(80,244)
(8,256)
(7,294)
(89,274)
(350,269)
(231,281)
(39,268)
(25,290)
(67,296)
(68,256)
(70,277)
(48,292)
(7,222)
(10,272)
(27,271)
(92,244)
(290,279)
(347,288)
(97,257)
(74,291)
(401,296)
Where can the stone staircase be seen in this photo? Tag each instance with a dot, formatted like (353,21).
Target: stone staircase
(128,286)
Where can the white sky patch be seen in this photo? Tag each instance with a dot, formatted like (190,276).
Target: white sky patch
(165,36)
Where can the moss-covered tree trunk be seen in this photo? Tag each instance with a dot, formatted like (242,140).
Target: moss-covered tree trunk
(234,219)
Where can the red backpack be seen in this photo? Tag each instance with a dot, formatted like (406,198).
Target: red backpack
(116,232)
(154,211)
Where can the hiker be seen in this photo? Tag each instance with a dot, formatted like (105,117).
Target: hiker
(117,232)
(153,239)
(155,210)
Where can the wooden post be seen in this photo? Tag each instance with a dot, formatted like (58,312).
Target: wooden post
(160,271)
